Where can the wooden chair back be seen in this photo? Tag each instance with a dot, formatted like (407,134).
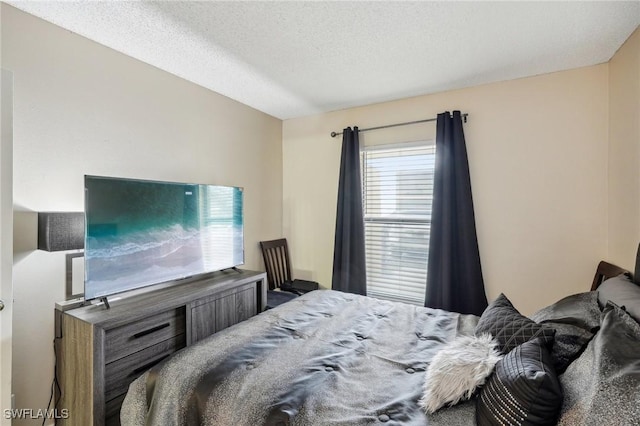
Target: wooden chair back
(276,262)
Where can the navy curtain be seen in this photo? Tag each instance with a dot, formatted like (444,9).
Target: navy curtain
(454,274)
(349,267)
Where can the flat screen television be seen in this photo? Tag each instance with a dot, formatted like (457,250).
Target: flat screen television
(139,232)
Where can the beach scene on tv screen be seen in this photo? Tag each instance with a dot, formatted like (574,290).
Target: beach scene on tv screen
(141,233)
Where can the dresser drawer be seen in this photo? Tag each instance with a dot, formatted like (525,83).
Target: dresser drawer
(112,411)
(128,339)
(119,374)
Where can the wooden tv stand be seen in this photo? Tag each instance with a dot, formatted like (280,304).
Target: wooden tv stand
(100,351)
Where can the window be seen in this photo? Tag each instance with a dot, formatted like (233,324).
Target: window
(397,185)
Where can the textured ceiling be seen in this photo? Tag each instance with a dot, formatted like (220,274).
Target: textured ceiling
(291,59)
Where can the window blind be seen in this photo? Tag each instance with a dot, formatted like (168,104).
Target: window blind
(397,198)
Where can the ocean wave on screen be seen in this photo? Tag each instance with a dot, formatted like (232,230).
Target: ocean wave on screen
(167,240)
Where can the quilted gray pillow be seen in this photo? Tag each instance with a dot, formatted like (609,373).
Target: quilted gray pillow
(509,327)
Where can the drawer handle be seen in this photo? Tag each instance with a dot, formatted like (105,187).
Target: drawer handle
(147,366)
(151,330)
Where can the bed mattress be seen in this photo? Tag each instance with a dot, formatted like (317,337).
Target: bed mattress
(325,358)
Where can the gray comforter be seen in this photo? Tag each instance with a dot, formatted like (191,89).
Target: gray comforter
(326,358)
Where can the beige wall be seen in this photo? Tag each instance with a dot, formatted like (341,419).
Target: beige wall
(624,152)
(537,151)
(81,108)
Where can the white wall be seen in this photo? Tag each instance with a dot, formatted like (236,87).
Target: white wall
(6,237)
(81,108)
(537,152)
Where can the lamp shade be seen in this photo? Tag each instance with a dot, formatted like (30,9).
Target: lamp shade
(58,231)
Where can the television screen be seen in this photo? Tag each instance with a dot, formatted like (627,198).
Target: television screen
(139,233)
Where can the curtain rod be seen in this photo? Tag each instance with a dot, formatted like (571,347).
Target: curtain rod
(334,134)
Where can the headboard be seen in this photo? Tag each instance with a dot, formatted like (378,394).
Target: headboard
(608,270)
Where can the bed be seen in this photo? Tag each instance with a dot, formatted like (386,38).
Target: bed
(331,358)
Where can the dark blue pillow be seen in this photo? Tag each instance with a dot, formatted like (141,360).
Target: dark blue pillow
(523,390)
(509,327)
